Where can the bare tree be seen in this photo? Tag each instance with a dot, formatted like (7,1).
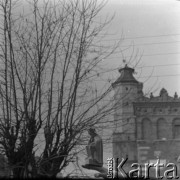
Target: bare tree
(49,63)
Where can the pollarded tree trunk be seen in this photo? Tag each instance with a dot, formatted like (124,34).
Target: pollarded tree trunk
(24,166)
(22,156)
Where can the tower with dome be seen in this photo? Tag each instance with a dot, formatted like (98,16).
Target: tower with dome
(146,127)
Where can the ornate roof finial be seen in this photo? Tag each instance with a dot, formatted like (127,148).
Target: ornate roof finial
(124,62)
(175,95)
(163,92)
(151,95)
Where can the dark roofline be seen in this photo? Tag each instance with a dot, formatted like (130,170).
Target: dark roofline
(126,76)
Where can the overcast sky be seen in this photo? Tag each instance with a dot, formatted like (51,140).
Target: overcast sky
(152,27)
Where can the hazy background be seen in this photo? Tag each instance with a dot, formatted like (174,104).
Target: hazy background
(151,30)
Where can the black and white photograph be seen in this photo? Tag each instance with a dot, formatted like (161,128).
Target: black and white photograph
(90,89)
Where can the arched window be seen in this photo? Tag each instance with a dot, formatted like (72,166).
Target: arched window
(176,128)
(146,129)
(162,128)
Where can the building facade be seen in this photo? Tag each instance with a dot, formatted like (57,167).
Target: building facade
(146,128)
